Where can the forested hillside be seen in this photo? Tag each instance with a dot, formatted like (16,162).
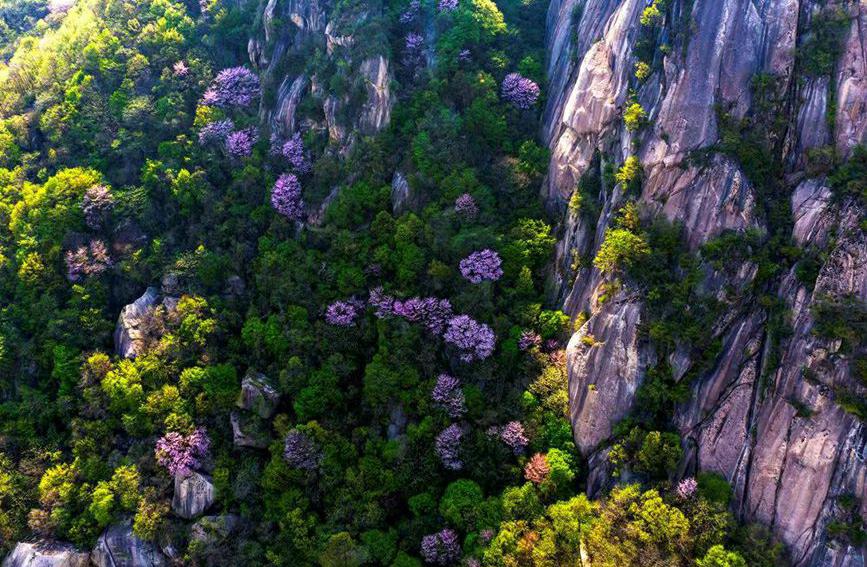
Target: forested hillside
(336,282)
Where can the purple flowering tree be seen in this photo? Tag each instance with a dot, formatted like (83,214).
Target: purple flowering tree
(182,454)
(86,261)
(216,132)
(447,5)
(466,206)
(240,144)
(341,313)
(441,548)
(686,488)
(413,46)
(96,205)
(475,340)
(286,197)
(411,12)
(237,86)
(448,395)
(293,151)
(431,312)
(519,91)
(482,265)
(529,339)
(448,447)
(180,69)
(512,434)
(300,452)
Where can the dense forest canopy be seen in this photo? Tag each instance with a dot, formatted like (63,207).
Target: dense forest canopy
(336,374)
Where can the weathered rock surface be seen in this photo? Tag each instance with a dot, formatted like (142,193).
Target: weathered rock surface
(46,554)
(193,495)
(765,416)
(118,546)
(258,395)
(606,365)
(130,334)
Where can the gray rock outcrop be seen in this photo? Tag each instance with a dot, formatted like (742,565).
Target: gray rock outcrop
(46,554)
(258,395)
(193,496)
(118,546)
(767,414)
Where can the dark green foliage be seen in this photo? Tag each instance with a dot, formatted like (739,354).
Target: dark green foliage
(821,47)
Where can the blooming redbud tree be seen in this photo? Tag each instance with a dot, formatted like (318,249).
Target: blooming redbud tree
(181,454)
(85,261)
(240,144)
(686,488)
(216,132)
(286,197)
(448,447)
(300,452)
(237,86)
(441,548)
(537,469)
(528,340)
(482,265)
(475,340)
(512,434)
(341,313)
(413,46)
(293,151)
(96,205)
(448,395)
(411,12)
(519,91)
(466,206)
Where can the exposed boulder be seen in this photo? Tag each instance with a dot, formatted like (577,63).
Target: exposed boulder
(130,334)
(249,430)
(400,193)
(193,495)
(46,554)
(258,395)
(118,546)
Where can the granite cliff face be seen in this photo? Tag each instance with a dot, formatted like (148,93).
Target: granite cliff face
(768,414)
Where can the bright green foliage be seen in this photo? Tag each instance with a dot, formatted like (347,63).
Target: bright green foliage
(620,250)
(629,173)
(717,556)
(634,116)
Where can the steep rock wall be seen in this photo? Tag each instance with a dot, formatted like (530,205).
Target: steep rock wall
(782,440)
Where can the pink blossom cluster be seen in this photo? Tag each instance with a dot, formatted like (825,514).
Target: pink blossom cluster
(448,447)
(96,204)
(237,86)
(286,197)
(342,313)
(519,91)
(475,340)
(441,548)
(300,452)
(686,488)
(448,395)
(466,206)
(181,454)
(85,261)
(529,339)
(180,69)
